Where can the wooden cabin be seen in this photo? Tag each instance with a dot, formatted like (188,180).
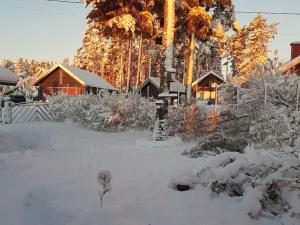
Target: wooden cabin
(205,87)
(292,66)
(70,80)
(7,77)
(150,87)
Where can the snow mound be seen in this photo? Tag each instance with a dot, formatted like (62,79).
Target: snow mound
(261,178)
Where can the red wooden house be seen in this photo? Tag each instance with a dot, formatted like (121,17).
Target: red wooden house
(71,80)
(293,66)
(205,87)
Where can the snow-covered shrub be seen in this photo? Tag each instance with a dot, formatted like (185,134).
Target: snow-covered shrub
(160,131)
(218,145)
(264,180)
(188,121)
(58,108)
(175,119)
(105,112)
(103,178)
(270,104)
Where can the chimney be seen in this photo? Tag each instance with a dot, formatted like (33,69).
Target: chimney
(295,49)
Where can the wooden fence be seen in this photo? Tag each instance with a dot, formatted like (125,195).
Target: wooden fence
(25,113)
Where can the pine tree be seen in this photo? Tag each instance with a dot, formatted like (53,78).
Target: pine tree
(125,19)
(250,48)
(92,55)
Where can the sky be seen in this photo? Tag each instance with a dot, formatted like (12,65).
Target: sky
(43,30)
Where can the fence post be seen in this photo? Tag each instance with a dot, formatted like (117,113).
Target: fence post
(6,113)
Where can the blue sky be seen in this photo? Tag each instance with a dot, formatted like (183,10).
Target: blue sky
(38,29)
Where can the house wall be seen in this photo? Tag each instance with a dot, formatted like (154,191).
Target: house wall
(204,90)
(153,91)
(295,50)
(60,81)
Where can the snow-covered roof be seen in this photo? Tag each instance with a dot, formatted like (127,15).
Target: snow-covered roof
(8,77)
(211,72)
(175,85)
(290,64)
(84,77)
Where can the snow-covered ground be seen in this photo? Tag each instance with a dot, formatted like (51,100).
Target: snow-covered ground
(48,177)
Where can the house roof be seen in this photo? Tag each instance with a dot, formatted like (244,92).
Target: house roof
(84,77)
(295,43)
(290,64)
(8,77)
(175,85)
(211,72)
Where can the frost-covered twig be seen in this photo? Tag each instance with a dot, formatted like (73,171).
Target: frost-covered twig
(104,178)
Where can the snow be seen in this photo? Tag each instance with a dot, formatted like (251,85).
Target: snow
(48,174)
(211,72)
(90,79)
(175,85)
(6,76)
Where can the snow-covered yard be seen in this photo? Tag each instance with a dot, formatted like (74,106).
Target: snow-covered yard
(48,177)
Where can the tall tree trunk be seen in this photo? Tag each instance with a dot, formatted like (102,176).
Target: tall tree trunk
(160,128)
(103,67)
(138,73)
(190,68)
(169,22)
(120,75)
(129,64)
(149,68)
(184,70)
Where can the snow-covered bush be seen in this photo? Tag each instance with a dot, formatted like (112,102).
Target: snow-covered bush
(105,112)
(58,107)
(175,119)
(218,145)
(265,181)
(188,121)
(271,104)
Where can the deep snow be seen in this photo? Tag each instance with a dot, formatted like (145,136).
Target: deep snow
(48,177)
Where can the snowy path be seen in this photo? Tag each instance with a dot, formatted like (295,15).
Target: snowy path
(48,177)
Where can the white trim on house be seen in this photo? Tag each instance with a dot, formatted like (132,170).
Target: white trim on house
(211,72)
(175,85)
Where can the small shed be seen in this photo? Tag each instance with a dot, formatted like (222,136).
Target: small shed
(150,87)
(7,77)
(205,87)
(70,80)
